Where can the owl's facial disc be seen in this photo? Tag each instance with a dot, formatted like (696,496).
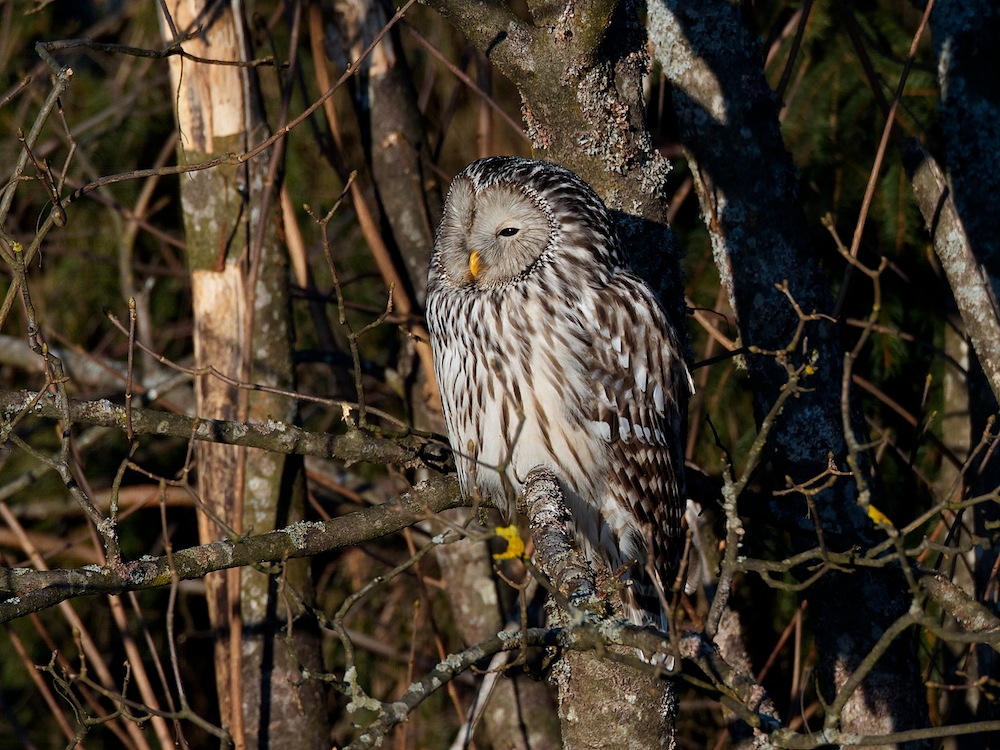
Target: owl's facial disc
(506,234)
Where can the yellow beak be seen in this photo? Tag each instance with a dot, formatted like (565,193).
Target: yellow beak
(474,263)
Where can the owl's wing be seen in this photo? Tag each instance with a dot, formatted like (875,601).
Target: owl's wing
(641,387)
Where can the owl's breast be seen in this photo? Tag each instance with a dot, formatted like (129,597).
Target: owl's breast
(513,381)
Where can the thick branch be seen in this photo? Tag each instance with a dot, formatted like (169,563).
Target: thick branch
(972,616)
(555,553)
(966,276)
(490,25)
(277,437)
(30,590)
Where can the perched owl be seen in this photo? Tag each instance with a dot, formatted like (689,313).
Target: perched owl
(549,351)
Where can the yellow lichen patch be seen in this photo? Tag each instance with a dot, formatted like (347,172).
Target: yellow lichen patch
(515,547)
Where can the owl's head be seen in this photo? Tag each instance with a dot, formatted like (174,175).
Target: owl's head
(505,216)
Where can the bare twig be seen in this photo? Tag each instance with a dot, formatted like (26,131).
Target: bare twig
(887,131)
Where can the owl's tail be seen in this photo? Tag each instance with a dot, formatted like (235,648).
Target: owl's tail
(645,604)
(644,600)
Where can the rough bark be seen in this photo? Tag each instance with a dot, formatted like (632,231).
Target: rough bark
(593,689)
(241,328)
(748,191)
(593,694)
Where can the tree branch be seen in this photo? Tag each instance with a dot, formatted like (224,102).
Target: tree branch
(555,553)
(31,590)
(490,25)
(409,451)
(966,275)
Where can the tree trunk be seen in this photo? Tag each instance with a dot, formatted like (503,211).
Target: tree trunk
(579,69)
(748,190)
(242,331)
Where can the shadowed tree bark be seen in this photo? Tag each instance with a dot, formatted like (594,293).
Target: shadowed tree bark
(748,189)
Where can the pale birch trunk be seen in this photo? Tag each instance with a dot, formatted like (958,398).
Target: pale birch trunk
(241,330)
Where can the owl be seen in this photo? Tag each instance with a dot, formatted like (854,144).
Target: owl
(549,351)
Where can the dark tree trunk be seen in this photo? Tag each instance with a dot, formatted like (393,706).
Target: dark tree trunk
(748,189)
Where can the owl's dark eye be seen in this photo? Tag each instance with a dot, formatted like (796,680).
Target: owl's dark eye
(508,232)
